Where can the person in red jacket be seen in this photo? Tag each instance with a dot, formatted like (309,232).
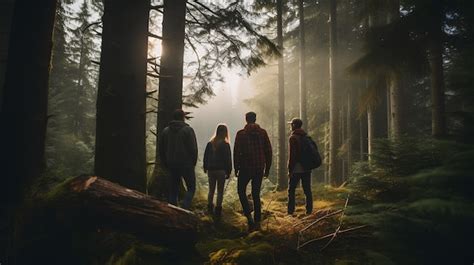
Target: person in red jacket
(296,172)
(252,161)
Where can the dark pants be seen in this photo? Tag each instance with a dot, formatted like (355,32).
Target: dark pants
(306,183)
(242,182)
(187,173)
(216,177)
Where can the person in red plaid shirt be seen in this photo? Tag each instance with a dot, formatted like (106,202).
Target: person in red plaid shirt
(252,161)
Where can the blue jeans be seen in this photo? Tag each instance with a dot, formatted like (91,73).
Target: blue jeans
(187,173)
(306,183)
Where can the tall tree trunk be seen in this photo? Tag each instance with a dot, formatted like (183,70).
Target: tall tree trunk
(435,52)
(394,101)
(349,133)
(23,110)
(170,91)
(120,133)
(25,95)
(334,167)
(342,140)
(302,69)
(282,168)
(6,15)
(78,115)
(370,131)
(362,132)
(377,124)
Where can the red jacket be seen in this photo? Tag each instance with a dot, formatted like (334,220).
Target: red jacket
(252,150)
(295,148)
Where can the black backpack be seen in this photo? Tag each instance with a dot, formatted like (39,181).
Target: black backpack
(310,157)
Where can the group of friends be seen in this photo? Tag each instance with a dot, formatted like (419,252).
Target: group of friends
(252,160)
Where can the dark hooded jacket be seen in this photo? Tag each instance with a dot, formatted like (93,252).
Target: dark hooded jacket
(178,145)
(218,157)
(295,150)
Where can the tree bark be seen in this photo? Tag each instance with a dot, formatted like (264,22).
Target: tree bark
(395,102)
(170,90)
(334,167)
(106,205)
(6,15)
(370,132)
(349,134)
(282,167)
(302,72)
(23,115)
(121,97)
(435,56)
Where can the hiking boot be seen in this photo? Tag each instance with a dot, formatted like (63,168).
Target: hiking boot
(257,227)
(250,223)
(210,208)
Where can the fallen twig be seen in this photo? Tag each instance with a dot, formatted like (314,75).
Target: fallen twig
(340,224)
(332,235)
(320,219)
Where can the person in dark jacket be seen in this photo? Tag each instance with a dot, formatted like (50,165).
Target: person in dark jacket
(179,153)
(218,165)
(296,172)
(252,161)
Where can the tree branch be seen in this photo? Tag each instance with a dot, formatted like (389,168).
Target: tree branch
(157,7)
(150,92)
(90,25)
(154,36)
(152,75)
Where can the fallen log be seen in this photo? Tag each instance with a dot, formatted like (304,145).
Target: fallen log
(96,202)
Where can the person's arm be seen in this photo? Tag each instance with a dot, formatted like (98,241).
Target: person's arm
(193,146)
(162,145)
(237,153)
(205,163)
(292,149)
(268,152)
(228,156)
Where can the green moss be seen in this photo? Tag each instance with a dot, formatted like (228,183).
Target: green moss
(142,254)
(207,247)
(259,253)
(58,191)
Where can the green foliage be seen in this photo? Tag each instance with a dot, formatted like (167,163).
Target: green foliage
(248,250)
(72,93)
(409,155)
(221,35)
(417,205)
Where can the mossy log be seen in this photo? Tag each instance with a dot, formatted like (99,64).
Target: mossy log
(95,202)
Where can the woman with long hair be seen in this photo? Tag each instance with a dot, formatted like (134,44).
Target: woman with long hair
(218,166)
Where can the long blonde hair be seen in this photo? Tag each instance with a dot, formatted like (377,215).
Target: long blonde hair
(221,135)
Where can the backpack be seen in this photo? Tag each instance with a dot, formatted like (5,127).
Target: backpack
(310,157)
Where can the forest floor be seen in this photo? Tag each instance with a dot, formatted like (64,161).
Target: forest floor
(283,238)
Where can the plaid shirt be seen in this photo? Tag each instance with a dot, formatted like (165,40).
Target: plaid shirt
(252,149)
